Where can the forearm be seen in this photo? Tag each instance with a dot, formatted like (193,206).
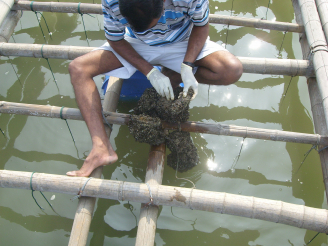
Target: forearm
(124,49)
(196,42)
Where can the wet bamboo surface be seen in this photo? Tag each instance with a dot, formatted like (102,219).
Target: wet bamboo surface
(86,8)
(85,208)
(218,202)
(9,24)
(318,46)
(190,126)
(149,212)
(316,103)
(291,67)
(322,6)
(5,7)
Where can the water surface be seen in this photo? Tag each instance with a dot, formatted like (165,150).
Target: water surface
(265,169)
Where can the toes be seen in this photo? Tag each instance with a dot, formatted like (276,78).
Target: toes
(72,173)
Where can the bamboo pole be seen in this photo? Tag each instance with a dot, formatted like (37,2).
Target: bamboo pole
(85,208)
(320,127)
(148,214)
(190,126)
(8,25)
(319,120)
(44,51)
(318,47)
(256,23)
(322,6)
(5,7)
(215,19)
(289,67)
(251,207)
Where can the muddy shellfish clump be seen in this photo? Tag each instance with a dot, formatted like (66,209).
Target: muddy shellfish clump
(152,104)
(147,129)
(183,152)
(145,125)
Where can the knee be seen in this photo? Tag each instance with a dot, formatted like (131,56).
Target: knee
(75,68)
(78,72)
(234,70)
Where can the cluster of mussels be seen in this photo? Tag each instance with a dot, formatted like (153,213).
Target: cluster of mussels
(146,127)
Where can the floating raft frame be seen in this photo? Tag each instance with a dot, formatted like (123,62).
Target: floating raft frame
(218,202)
(275,211)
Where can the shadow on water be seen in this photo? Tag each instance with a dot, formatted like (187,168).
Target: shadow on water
(31,222)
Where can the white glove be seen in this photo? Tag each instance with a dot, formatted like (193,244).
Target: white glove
(161,83)
(188,80)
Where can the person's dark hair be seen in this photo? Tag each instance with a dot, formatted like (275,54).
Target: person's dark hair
(140,13)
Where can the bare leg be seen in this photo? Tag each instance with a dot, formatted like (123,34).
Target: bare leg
(219,68)
(82,70)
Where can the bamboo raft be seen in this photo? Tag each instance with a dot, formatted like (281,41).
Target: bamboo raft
(312,23)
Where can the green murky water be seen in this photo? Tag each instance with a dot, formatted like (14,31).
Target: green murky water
(265,169)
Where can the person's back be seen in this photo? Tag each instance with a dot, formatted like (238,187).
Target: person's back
(175,22)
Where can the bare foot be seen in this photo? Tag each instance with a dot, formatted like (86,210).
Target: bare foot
(99,156)
(174,77)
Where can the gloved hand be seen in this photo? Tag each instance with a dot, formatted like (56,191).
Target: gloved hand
(161,83)
(188,80)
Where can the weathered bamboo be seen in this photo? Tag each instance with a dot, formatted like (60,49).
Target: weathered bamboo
(44,51)
(319,120)
(190,126)
(322,6)
(8,25)
(320,127)
(256,208)
(289,67)
(256,23)
(5,7)
(318,47)
(148,214)
(85,8)
(85,208)
(59,7)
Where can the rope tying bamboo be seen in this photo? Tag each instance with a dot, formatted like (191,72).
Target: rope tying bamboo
(151,202)
(49,68)
(36,14)
(80,193)
(31,186)
(69,129)
(85,31)
(106,121)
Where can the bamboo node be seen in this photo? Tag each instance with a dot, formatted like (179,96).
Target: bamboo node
(223,203)
(120,194)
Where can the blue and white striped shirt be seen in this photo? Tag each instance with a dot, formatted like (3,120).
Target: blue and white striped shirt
(175,24)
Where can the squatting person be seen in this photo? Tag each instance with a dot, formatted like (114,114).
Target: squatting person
(140,34)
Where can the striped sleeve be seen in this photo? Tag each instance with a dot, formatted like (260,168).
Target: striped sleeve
(199,12)
(114,28)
